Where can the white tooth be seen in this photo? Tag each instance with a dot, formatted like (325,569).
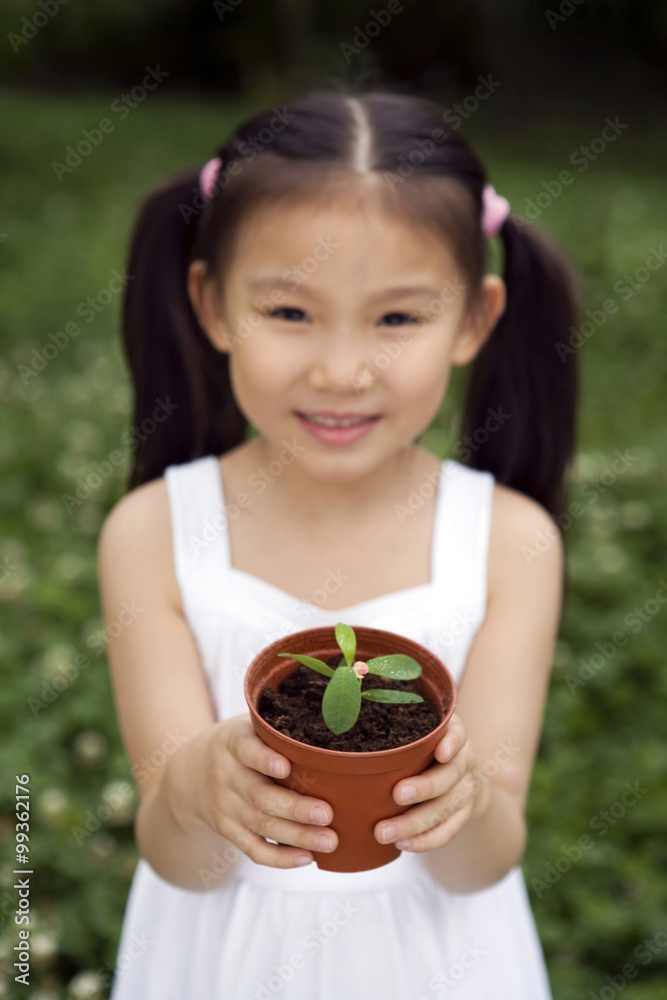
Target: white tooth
(332,422)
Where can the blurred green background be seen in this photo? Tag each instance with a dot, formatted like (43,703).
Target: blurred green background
(564,68)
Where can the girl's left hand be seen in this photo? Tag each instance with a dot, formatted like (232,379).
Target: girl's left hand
(451,792)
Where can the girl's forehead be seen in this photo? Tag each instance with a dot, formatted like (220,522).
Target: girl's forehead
(358,229)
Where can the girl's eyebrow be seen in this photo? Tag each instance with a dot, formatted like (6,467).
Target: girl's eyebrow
(293,285)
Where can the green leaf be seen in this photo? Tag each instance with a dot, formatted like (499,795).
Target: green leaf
(342,700)
(347,641)
(312,662)
(397,666)
(386,694)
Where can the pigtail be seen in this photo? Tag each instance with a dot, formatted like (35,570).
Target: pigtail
(522,378)
(183,403)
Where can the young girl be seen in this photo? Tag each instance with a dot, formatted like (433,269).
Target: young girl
(316,281)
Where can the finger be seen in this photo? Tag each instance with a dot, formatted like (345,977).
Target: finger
(263,853)
(244,745)
(310,838)
(423,817)
(436,780)
(438,836)
(268,797)
(454,738)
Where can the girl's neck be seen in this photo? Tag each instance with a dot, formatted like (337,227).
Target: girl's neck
(311,499)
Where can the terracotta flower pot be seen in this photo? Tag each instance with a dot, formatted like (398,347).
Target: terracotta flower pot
(358,786)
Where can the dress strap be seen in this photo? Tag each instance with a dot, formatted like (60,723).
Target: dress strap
(199,528)
(461,532)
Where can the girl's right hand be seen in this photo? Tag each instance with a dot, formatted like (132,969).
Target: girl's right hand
(239,800)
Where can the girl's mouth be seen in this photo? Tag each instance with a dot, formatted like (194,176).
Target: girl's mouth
(337,428)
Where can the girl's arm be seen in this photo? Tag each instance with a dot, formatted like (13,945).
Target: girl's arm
(160,691)
(203,794)
(471,822)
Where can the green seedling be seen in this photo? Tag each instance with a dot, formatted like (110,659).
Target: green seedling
(341,702)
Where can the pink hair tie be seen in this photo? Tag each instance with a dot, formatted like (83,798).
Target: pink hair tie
(495,210)
(208,175)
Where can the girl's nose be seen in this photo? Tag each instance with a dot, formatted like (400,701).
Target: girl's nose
(341,365)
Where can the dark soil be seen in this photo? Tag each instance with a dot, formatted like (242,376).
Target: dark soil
(295,709)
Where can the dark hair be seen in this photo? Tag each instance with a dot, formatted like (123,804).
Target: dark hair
(308,149)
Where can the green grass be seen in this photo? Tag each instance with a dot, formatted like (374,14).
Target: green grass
(63,240)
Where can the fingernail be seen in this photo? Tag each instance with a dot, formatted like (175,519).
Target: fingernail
(302,860)
(318,815)
(403,845)
(448,750)
(323,842)
(408,793)
(277,768)
(388,833)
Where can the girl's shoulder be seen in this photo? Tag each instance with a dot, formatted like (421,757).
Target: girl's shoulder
(136,537)
(524,542)
(144,508)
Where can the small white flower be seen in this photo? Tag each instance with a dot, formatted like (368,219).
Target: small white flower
(43,946)
(103,845)
(55,659)
(611,558)
(120,796)
(52,803)
(84,986)
(90,746)
(636,514)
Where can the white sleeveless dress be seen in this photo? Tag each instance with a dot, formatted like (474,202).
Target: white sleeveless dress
(391,933)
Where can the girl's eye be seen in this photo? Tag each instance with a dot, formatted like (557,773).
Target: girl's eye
(408,316)
(293,315)
(286,309)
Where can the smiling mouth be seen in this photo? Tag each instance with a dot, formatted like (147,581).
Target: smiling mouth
(333,420)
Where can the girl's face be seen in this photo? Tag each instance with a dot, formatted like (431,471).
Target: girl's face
(342,325)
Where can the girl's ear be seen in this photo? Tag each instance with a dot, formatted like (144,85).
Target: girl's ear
(480,320)
(207,306)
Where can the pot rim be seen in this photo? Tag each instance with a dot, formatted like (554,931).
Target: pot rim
(354,754)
